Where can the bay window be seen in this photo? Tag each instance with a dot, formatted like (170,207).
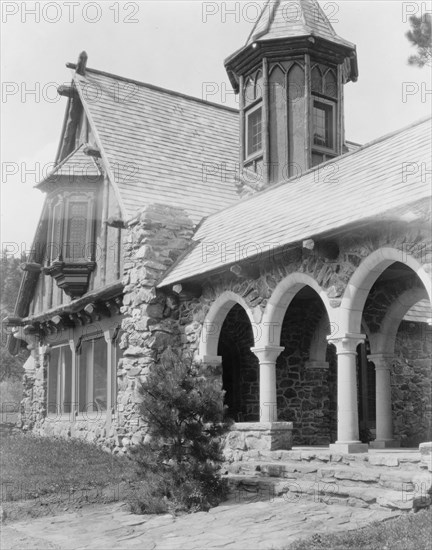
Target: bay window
(71,247)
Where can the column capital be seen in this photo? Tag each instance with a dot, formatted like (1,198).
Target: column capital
(267,354)
(346,343)
(382,361)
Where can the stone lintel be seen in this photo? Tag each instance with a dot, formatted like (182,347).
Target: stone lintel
(349,447)
(385,444)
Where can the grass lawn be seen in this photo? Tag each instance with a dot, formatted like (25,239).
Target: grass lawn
(40,475)
(407,532)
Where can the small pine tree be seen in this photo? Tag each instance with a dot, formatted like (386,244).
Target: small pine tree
(184,411)
(420,36)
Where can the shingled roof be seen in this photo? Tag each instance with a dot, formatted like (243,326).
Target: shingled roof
(162,146)
(382,176)
(291,19)
(77,164)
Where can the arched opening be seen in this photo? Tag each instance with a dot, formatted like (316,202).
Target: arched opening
(411,373)
(302,372)
(240,367)
(366,392)
(396,312)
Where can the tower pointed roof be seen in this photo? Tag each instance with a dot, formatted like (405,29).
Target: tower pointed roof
(292,19)
(293,24)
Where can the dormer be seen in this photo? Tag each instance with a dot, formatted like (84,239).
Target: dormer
(290,77)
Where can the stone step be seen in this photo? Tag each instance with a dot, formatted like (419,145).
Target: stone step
(247,487)
(407,480)
(400,459)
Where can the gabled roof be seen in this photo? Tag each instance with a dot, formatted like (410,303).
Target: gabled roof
(162,146)
(351,189)
(77,164)
(288,19)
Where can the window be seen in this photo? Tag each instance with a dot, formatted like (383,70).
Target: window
(60,380)
(323,125)
(76,245)
(93,376)
(117,354)
(71,227)
(254,131)
(93,368)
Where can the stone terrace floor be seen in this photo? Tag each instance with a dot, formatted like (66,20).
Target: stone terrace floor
(242,522)
(235,525)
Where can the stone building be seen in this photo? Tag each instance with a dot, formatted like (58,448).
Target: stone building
(297,265)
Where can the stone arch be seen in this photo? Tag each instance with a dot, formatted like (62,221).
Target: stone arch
(215,317)
(384,341)
(362,280)
(283,294)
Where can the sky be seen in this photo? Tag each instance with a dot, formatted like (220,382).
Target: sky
(179,45)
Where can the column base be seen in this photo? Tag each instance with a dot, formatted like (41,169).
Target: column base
(426,454)
(349,447)
(260,436)
(384,444)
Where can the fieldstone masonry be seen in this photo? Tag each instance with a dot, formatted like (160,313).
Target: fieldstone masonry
(154,318)
(155,240)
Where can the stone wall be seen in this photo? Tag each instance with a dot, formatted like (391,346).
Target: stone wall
(302,385)
(155,240)
(411,384)
(240,366)
(155,318)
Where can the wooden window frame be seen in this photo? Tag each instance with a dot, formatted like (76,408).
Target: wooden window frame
(63,202)
(61,383)
(108,378)
(317,99)
(258,105)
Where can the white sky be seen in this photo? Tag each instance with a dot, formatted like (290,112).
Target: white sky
(179,45)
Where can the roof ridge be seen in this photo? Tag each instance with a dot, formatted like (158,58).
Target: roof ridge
(327,163)
(154,87)
(99,141)
(269,20)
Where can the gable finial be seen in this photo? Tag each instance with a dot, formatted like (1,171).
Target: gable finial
(82,63)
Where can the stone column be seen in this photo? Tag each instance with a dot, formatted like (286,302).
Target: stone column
(384,422)
(348,431)
(267,356)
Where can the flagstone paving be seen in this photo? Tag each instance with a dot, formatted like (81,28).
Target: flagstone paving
(234,525)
